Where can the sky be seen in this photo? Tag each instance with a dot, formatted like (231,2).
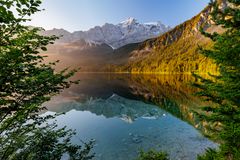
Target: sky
(75,15)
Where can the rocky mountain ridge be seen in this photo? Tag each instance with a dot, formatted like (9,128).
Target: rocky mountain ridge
(126,32)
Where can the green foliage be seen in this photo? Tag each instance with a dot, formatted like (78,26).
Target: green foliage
(152,155)
(25,84)
(211,154)
(223,90)
(34,142)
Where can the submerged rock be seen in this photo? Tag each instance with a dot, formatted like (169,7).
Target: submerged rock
(136,138)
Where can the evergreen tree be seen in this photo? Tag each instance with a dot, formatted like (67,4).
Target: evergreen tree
(224,89)
(25,84)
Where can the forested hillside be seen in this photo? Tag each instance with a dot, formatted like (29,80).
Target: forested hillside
(175,51)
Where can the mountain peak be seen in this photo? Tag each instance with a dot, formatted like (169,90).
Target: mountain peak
(129,21)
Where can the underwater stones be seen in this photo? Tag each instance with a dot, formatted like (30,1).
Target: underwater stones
(135,138)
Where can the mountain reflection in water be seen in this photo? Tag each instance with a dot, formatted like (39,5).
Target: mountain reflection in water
(115,106)
(125,113)
(172,93)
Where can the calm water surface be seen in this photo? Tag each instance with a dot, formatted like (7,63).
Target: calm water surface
(126,113)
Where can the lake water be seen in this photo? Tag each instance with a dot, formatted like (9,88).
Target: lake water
(125,113)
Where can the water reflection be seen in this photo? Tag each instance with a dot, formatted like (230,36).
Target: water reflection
(127,112)
(170,92)
(115,106)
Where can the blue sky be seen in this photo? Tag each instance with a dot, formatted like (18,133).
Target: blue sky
(75,15)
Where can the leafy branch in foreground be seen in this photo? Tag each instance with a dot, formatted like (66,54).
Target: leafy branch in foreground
(223,90)
(25,84)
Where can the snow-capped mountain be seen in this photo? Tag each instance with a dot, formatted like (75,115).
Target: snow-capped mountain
(126,32)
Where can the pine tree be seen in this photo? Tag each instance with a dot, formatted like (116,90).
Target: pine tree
(223,90)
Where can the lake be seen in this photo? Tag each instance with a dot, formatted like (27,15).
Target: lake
(125,113)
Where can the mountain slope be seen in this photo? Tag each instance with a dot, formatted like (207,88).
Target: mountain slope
(116,36)
(174,51)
